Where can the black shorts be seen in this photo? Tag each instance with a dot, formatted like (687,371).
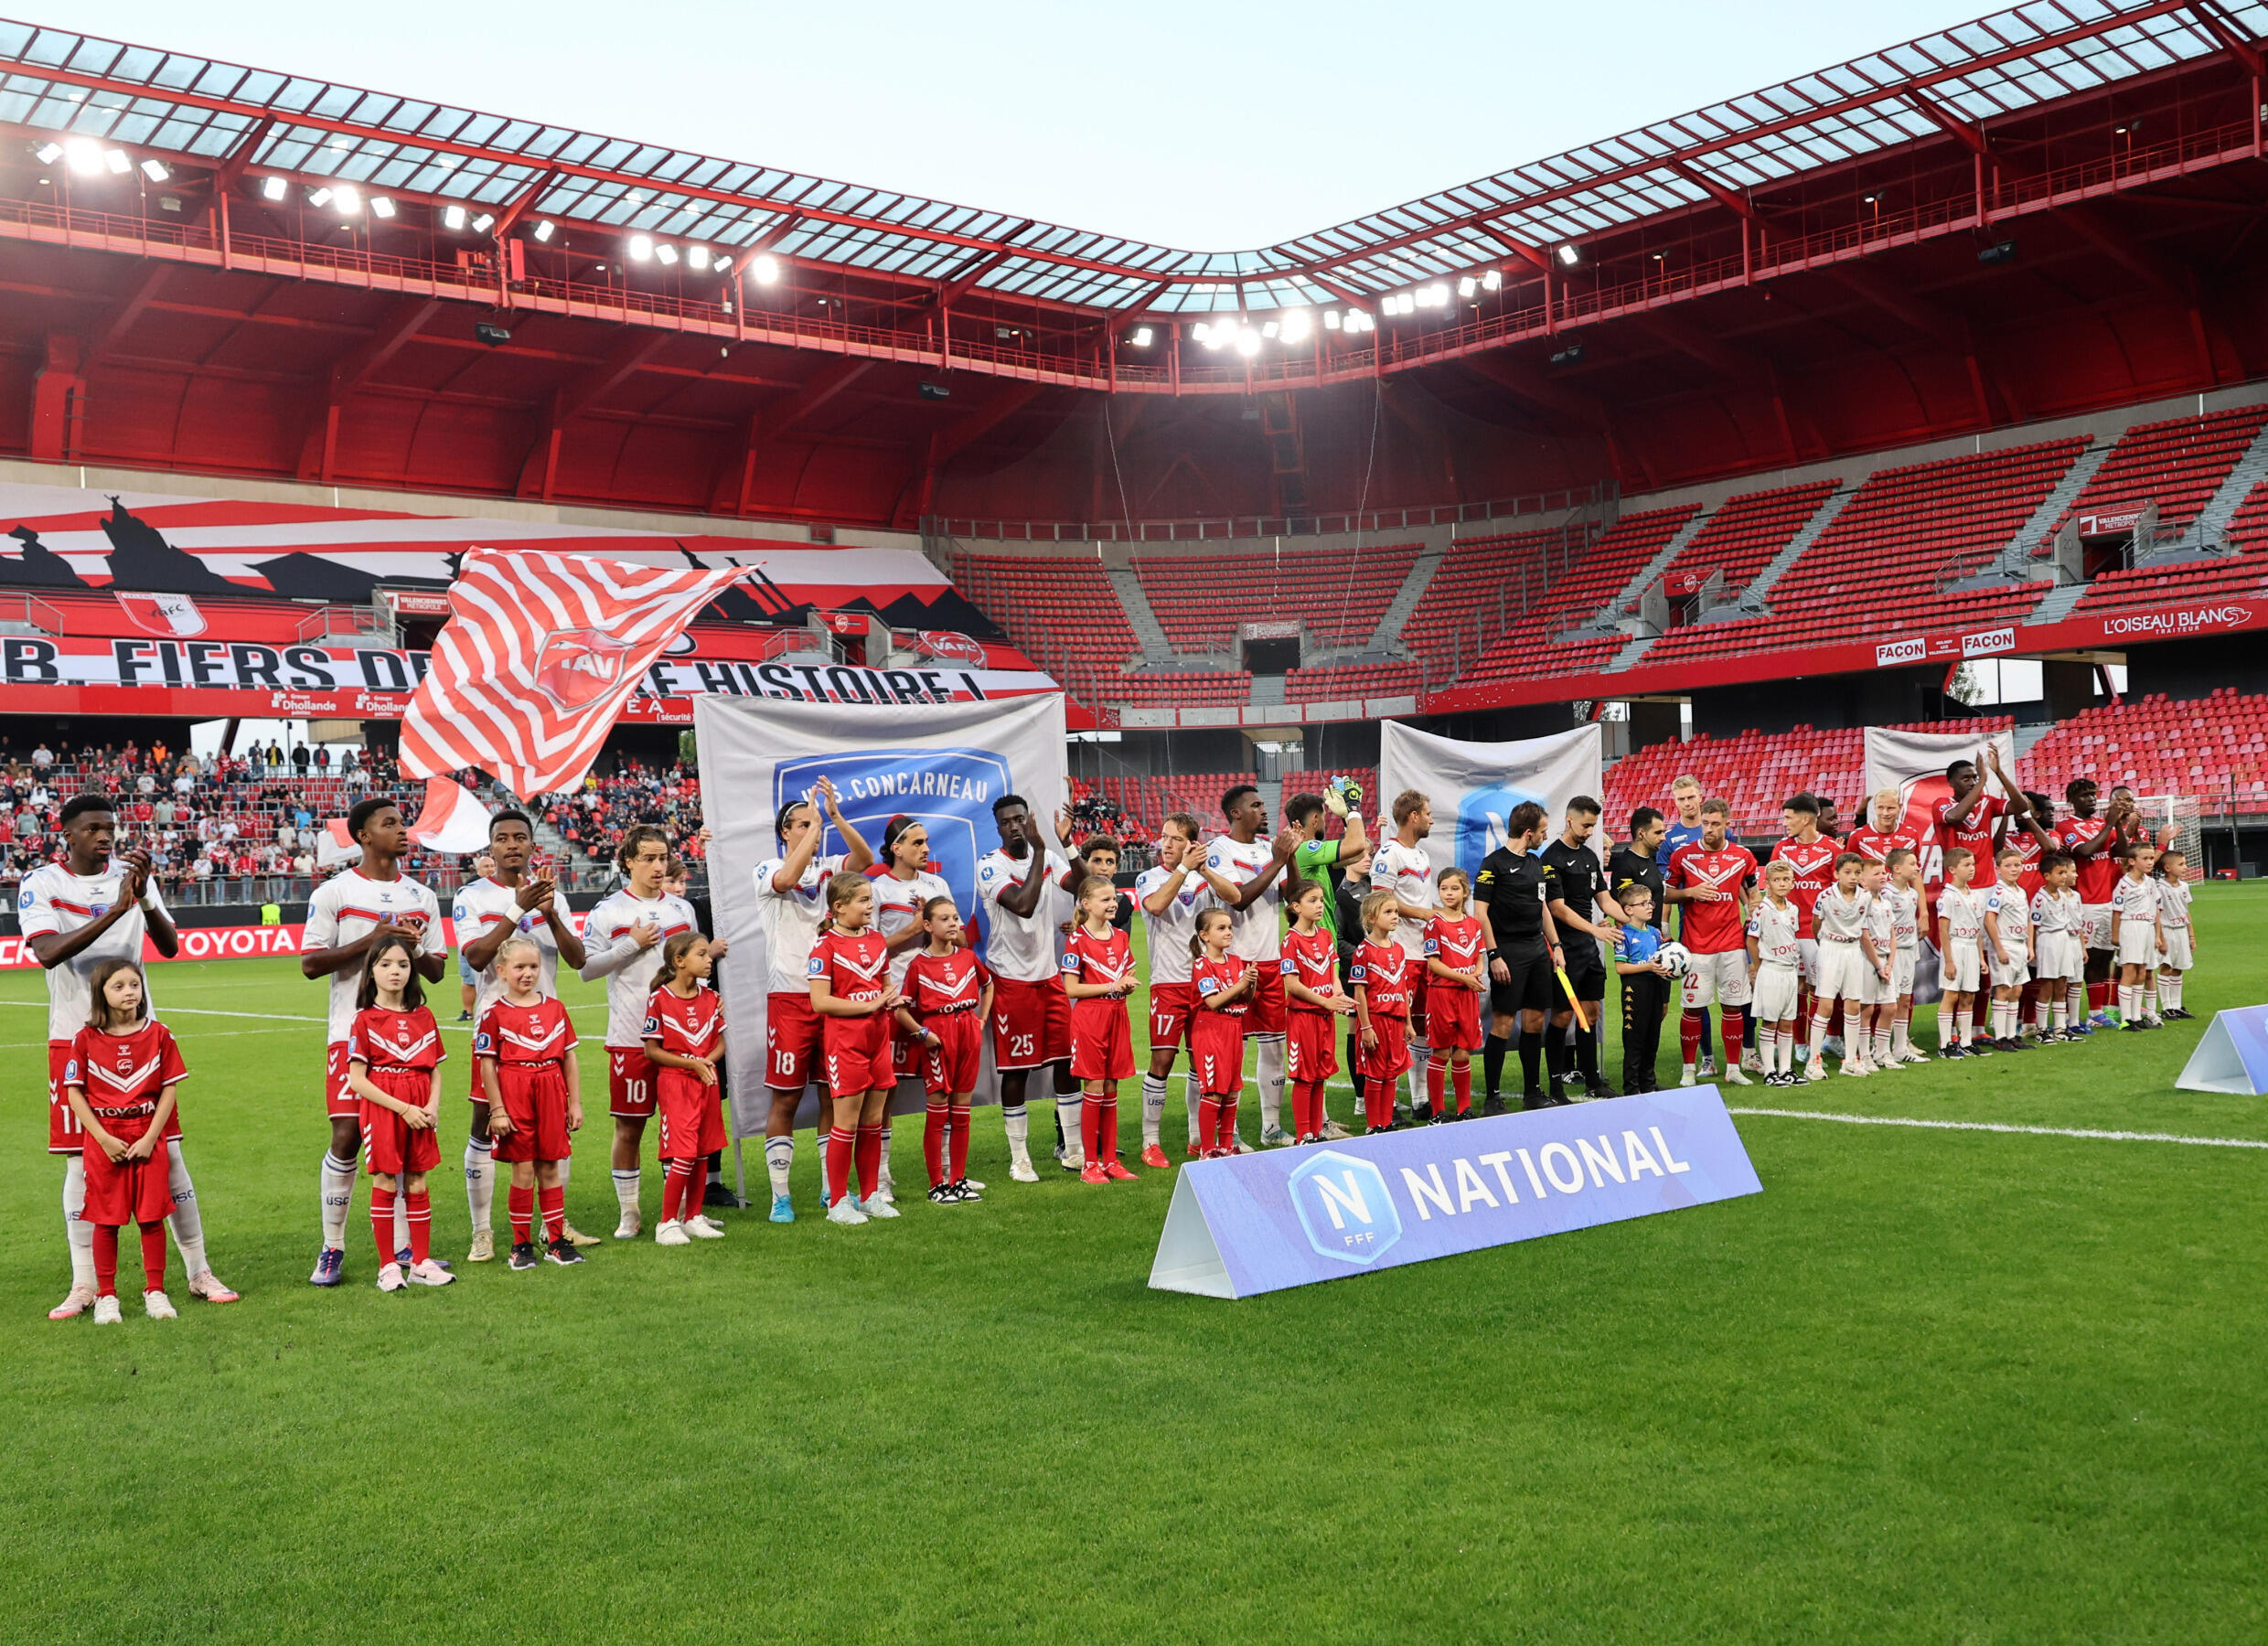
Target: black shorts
(1587,971)
(1530,987)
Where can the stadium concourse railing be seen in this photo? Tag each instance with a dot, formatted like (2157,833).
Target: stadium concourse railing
(1223,528)
(1090,358)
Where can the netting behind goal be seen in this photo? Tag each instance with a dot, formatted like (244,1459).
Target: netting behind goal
(2176,823)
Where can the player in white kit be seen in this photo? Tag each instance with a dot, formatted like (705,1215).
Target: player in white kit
(346,913)
(1243,871)
(2059,949)
(1960,949)
(1845,957)
(2136,939)
(791,901)
(507,900)
(1402,866)
(1775,971)
(2008,949)
(2173,919)
(622,939)
(1171,897)
(98,906)
(905,884)
(1878,990)
(1905,893)
(1021,895)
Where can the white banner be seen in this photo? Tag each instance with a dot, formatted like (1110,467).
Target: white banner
(1914,763)
(946,763)
(1474,785)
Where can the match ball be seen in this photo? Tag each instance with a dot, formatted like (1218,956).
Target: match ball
(1676,956)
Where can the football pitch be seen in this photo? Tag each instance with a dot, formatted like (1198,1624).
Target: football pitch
(1931,1384)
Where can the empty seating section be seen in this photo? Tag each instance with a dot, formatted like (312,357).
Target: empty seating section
(2248,528)
(2214,748)
(1744,534)
(1474,591)
(1754,772)
(1596,577)
(1874,572)
(1058,612)
(1361,681)
(2148,588)
(2179,464)
(1338,594)
(1168,690)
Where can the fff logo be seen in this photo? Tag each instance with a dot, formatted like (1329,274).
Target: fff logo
(1344,1207)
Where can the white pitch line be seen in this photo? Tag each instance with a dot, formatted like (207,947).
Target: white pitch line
(1993,1125)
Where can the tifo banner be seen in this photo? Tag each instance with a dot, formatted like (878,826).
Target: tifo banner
(538,654)
(1914,763)
(944,763)
(1258,1222)
(1474,785)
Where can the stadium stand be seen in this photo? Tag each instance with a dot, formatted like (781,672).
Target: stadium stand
(1361,681)
(1531,645)
(2179,464)
(1060,611)
(1167,689)
(1455,618)
(2150,587)
(2215,748)
(2248,528)
(1755,771)
(1338,595)
(1877,570)
(1744,534)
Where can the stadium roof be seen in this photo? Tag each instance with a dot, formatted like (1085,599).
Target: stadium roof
(1959,80)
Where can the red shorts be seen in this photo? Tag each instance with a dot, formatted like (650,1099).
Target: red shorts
(1102,1041)
(1031,1023)
(630,1083)
(692,1120)
(1390,1056)
(794,1037)
(535,1097)
(905,1052)
(389,1144)
(1265,1015)
(1169,1008)
(126,1191)
(858,1056)
(1216,1051)
(952,1066)
(1452,1016)
(338,1097)
(1311,1051)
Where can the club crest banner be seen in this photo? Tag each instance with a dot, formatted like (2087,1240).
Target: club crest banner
(945,763)
(1474,785)
(1914,763)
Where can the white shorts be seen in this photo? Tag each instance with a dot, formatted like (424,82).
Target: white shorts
(1718,979)
(2094,925)
(1809,948)
(2061,954)
(2178,954)
(2015,974)
(1775,994)
(1842,971)
(1960,966)
(2137,943)
(1875,990)
(1903,971)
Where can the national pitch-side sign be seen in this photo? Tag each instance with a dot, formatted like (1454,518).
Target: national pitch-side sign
(2233,1056)
(1260,1222)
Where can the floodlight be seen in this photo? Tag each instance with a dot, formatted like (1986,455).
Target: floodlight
(2001,251)
(1141,337)
(698,256)
(118,161)
(155,170)
(1572,355)
(273,188)
(493,334)
(321,197)
(1211,337)
(1298,325)
(1270,329)
(50,153)
(668,254)
(1569,256)
(347,200)
(1468,286)
(1438,290)
(724,266)
(453,217)
(1248,342)
(1490,281)
(484,222)
(641,248)
(86,156)
(382,206)
(766,268)
(1330,319)
(543,231)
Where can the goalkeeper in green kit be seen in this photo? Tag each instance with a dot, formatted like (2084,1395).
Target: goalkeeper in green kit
(1331,862)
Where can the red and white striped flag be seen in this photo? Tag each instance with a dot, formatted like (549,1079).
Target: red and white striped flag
(539,653)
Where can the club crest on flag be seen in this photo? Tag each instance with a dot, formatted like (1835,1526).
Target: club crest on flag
(579,666)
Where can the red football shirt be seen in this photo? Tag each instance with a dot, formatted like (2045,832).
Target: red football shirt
(856,965)
(1313,962)
(686,1027)
(1978,834)
(1456,944)
(395,1040)
(940,984)
(1092,960)
(2027,846)
(124,1075)
(1209,976)
(2098,875)
(1387,975)
(1872,843)
(539,1033)
(1813,862)
(1717,927)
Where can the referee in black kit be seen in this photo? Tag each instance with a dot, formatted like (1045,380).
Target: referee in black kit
(1574,887)
(1524,947)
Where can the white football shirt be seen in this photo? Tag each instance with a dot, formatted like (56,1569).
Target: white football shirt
(791,921)
(1257,930)
(898,904)
(53,899)
(348,906)
(481,906)
(1023,950)
(2172,905)
(1169,933)
(1408,872)
(631,985)
(1774,929)
(1837,919)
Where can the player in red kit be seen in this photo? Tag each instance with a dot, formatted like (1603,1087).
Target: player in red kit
(1382,977)
(2097,844)
(684,1038)
(1885,832)
(1098,974)
(119,1082)
(850,993)
(526,1047)
(1314,1003)
(391,1054)
(1715,880)
(947,999)
(1811,855)
(1221,984)
(1456,955)
(1970,820)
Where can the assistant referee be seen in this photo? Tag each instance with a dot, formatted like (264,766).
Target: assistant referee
(1523,947)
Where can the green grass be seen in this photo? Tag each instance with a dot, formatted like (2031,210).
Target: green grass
(1929,1386)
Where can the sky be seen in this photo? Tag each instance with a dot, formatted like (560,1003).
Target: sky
(1204,127)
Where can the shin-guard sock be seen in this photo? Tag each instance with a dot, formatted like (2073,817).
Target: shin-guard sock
(2058,1015)
(1193,1101)
(1016,1122)
(1819,1037)
(1493,1052)
(188,1227)
(1069,1119)
(105,1259)
(866,1152)
(2149,996)
(383,1223)
(78,1232)
(1153,1108)
(1091,1126)
(153,1257)
(1735,1021)
(1461,1081)
(1268,1073)
(935,1119)
(627,1180)
(552,1203)
(1964,1025)
(480,1181)
(673,1180)
(1587,1056)
(842,1145)
(1209,1123)
(338,1178)
(1110,1130)
(1228,1120)
(2169,991)
(2042,1011)
(779,1162)
(1531,1060)
(1692,1027)
(2126,995)
(1437,1079)
(957,1145)
(519,1204)
(421,1205)
(1555,1057)
(2075,1000)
